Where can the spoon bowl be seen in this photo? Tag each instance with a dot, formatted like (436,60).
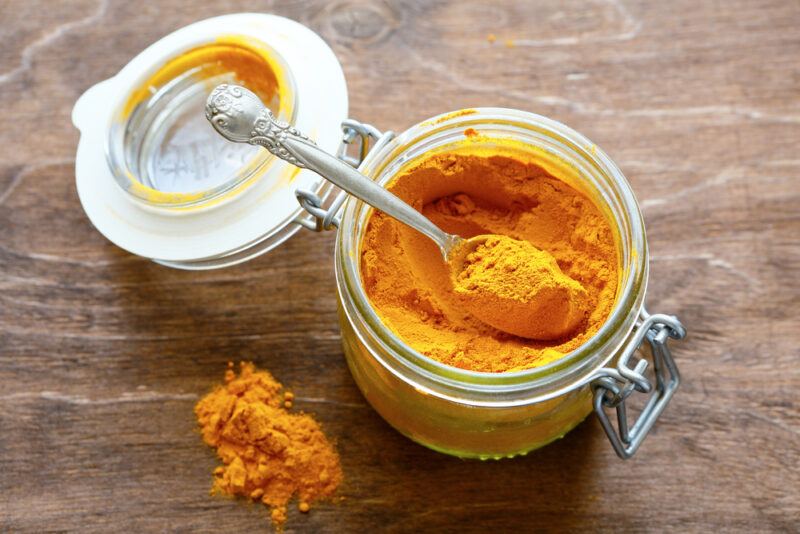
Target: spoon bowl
(517,288)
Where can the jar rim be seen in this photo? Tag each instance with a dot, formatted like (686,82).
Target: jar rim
(573,368)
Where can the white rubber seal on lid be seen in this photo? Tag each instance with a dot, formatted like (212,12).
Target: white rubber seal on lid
(264,211)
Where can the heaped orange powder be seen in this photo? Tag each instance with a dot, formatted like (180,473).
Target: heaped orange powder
(408,282)
(268,454)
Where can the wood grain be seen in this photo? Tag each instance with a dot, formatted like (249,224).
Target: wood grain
(103,354)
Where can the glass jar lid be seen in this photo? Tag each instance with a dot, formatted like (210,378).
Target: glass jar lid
(157,180)
(160,147)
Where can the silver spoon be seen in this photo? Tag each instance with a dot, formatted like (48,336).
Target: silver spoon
(240,116)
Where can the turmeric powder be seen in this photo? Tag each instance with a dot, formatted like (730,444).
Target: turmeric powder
(519,289)
(268,454)
(469,193)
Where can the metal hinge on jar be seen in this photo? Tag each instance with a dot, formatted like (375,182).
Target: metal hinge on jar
(613,386)
(364,138)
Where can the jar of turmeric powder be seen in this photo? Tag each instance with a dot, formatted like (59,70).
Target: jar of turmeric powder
(156,180)
(480,413)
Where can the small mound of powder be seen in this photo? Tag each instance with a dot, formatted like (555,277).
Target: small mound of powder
(268,454)
(517,288)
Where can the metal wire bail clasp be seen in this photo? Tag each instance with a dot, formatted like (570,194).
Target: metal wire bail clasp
(613,386)
(355,135)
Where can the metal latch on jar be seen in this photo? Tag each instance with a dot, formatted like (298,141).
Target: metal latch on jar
(613,386)
(365,138)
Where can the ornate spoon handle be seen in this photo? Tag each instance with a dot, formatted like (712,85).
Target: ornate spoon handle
(240,116)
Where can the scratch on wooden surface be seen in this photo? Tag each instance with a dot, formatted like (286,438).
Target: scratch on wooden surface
(10,280)
(655,166)
(219,276)
(673,169)
(144,396)
(99,336)
(585,108)
(783,163)
(76,261)
(712,261)
(322,400)
(474,505)
(16,180)
(748,113)
(631,27)
(475,84)
(575,76)
(81,400)
(724,176)
(29,52)
(53,258)
(773,422)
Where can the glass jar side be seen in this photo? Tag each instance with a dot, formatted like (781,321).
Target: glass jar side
(454,428)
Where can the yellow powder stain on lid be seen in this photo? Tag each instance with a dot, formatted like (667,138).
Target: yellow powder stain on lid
(491,38)
(251,63)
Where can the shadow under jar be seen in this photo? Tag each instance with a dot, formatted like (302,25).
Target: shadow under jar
(495,415)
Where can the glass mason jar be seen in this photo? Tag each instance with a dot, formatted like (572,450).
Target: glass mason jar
(495,415)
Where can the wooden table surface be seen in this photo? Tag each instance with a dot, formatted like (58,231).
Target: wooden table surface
(103,354)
